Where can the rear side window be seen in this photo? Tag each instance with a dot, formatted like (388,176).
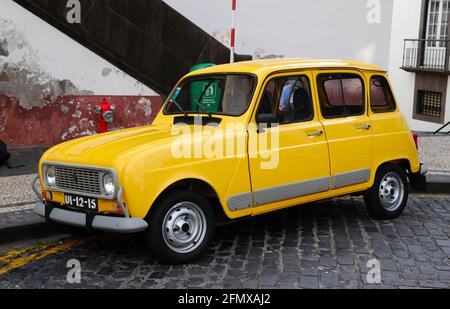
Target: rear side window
(381,97)
(341,95)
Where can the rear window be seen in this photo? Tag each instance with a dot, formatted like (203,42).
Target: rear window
(381,97)
(341,95)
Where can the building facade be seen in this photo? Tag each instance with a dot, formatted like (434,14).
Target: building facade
(419,61)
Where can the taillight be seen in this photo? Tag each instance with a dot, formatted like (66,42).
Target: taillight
(416,140)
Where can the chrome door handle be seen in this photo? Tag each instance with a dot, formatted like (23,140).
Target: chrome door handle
(364,127)
(315,133)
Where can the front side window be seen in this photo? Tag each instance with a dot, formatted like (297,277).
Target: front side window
(381,97)
(288,98)
(341,95)
(225,94)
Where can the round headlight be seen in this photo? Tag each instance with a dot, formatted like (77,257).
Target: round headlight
(108,184)
(50,176)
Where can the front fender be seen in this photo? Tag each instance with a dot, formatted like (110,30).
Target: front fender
(225,176)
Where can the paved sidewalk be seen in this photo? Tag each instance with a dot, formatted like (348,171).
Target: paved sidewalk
(16,190)
(434,151)
(17,201)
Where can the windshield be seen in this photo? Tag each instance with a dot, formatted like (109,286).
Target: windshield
(227,94)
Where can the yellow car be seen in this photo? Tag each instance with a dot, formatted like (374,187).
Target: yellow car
(235,141)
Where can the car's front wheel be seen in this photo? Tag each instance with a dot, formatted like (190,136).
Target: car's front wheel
(180,227)
(388,197)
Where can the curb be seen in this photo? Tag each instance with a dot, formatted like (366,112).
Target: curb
(438,184)
(26,232)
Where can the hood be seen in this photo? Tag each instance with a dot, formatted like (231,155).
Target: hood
(109,147)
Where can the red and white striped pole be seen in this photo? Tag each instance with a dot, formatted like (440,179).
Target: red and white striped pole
(233,31)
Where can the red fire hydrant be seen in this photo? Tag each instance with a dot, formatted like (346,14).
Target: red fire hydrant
(105,115)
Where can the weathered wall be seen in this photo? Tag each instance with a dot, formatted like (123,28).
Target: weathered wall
(62,118)
(49,84)
(37,60)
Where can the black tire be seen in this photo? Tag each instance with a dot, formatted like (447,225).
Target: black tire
(392,180)
(190,205)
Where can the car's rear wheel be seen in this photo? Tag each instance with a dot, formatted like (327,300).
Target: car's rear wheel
(180,227)
(388,197)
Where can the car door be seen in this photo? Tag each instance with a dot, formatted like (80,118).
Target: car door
(296,164)
(348,128)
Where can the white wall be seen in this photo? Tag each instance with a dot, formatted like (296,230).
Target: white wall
(298,28)
(45,54)
(406,16)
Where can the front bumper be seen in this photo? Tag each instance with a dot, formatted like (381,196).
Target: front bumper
(96,222)
(89,220)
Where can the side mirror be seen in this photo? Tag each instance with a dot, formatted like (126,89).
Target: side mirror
(270,119)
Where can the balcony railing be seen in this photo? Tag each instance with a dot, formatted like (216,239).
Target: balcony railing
(426,55)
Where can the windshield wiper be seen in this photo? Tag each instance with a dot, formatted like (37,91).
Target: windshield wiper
(179,107)
(203,109)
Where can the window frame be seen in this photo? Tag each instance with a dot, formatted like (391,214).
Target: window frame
(420,94)
(364,94)
(194,77)
(433,83)
(436,20)
(390,90)
(290,76)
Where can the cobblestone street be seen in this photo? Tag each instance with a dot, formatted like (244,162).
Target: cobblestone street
(321,245)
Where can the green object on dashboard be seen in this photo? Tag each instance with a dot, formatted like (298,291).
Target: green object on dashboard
(206,93)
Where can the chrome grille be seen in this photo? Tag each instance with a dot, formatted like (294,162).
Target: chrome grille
(78,180)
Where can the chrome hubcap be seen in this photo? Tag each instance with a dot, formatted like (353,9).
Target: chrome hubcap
(391,191)
(184,227)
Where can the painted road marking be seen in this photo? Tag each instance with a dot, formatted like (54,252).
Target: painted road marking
(17,258)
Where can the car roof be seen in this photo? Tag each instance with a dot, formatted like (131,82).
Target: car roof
(268,66)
